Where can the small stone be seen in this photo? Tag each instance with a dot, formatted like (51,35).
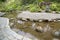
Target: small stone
(56,33)
(11,24)
(11,18)
(39,29)
(59,20)
(53,12)
(54,20)
(24,19)
(1,14)
(55,39)
(20,22)
(31,19)
(40,20)
(47,28)
(33,26)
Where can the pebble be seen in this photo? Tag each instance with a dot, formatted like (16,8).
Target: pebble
(57,33)
(20,22)
(55,39)
(11,24)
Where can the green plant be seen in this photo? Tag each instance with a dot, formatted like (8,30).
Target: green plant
(53,7)
(58,7)
(34,8)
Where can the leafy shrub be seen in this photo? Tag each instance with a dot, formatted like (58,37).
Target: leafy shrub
(34,8)
(53,7)
(13,5)
(10,7)
(58,7)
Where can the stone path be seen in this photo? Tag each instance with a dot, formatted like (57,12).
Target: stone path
(7,34)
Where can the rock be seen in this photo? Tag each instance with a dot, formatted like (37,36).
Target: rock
(24,19)
(54,20)
(36,16)
(20,22)
(53,12)
(31,19)
(11,18)
(4,22)
(15,29)
(58,20)
(33,26)
(30,36)
(56,33)
(39,29)
(25,27)
(49,20)
(26,12)
(55,39)
(7,34)
(11,24)
(1,13)
(43,29)
(25,34)
(47,28)
(40,20)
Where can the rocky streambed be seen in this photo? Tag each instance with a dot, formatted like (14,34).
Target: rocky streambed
(41,30)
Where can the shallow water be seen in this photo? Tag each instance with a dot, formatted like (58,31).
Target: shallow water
(45,35)
(26,26)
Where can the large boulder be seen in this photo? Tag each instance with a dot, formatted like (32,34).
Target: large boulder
(38,16)
(7,34)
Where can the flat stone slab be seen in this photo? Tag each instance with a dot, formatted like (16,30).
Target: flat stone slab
(7,34)
(38,16)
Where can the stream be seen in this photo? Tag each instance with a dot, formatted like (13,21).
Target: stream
(40,30)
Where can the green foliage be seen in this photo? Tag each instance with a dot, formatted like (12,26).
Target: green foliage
(58,7)
(2,0)
(40,0)
(25,2)
(12,5)
(53,7)
(34,8)
(31,5)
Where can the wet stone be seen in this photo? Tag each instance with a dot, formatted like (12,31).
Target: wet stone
(11,18)
(33,26)
(20,22)
(47,28)
(56,33)
(39,29)
(40,20)
(38,16)
(7,34)
(11,24)
(55,39)
(1,13)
